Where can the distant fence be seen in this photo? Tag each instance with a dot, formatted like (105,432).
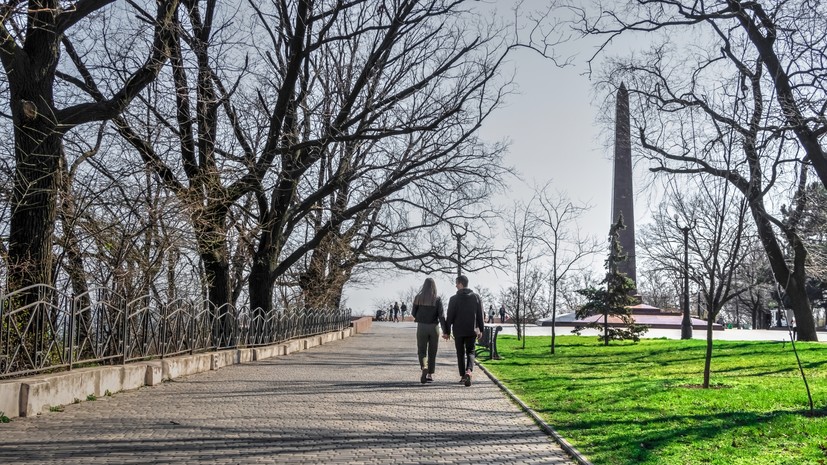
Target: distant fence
(55,331)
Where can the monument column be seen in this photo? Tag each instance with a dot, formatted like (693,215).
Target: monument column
(622,186)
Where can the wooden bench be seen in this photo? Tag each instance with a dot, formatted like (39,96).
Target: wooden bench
(488,342)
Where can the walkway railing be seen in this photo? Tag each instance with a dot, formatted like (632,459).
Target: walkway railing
(56,332)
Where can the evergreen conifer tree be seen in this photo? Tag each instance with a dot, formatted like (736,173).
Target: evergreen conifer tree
(614,298)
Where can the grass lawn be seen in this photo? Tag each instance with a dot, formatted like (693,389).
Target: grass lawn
(639,403)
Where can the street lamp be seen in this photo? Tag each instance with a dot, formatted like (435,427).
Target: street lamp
(686,322)
(459,236)
(517,315)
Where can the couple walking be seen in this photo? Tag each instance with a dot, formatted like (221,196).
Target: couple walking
(465,320)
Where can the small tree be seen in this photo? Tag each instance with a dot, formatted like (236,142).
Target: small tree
(615,299)
(565,246)
(521,230)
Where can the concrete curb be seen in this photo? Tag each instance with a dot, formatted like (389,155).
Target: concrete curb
(36,394)
(574,453)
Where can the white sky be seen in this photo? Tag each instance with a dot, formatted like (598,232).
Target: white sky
(554,133)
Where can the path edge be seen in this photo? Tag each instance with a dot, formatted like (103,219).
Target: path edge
(545,427)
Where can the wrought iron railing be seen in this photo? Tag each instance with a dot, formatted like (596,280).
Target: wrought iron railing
(42,329)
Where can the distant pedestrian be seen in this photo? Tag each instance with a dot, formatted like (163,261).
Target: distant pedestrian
(404,309)
(465,319)
(791,324)
(490,314)
(396,312)
(428,312)
(502,313)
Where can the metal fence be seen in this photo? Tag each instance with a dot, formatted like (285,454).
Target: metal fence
(44,330)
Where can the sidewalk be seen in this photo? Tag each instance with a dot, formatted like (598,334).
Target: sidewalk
(355,401)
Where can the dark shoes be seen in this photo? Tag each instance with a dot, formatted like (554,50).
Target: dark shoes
(426,377)
(467,378)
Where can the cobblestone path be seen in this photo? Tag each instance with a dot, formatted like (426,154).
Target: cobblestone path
(356,401)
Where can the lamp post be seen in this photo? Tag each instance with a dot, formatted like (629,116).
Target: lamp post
(517,313)
(459,235)
(686,322)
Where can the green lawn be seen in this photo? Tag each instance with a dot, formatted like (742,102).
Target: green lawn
(639,403)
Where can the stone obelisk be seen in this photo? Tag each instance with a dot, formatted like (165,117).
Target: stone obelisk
(622,187)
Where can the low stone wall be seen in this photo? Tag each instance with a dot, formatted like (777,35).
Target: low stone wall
(31,396)
(10,398)
(361,325)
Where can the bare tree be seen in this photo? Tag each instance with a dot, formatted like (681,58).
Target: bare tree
(718,241)
(407,229)
(567,247)
(568,295)
(30,53)
(395,120)
(487,297)
(785,38)
(685,131)
(736,110)
(522,227)
(656,281)
(349,119)
(757,278)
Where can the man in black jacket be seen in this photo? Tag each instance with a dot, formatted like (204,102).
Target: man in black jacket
(465,319)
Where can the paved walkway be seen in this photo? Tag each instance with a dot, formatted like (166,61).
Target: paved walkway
(356,401)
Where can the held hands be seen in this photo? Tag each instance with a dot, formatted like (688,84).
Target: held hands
(446,336)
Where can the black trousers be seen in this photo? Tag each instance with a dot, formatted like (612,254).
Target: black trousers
(465,353)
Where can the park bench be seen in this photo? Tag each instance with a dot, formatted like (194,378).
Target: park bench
(488,342)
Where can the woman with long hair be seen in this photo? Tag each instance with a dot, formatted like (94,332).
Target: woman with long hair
(428,312)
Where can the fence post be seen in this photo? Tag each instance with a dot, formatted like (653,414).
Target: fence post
(3,351)
(72,314)
(163,324)
(192,315)
(125,332)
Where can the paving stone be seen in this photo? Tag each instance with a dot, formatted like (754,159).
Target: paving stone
(354,401)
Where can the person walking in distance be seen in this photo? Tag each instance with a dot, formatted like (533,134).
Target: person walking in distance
(465,320)
(396,312)
(490,314)
(404,309)
(428,312)
(502,313)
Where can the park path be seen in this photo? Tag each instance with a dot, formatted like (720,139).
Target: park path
(356,401)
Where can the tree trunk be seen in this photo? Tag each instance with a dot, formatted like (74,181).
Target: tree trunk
(605,327)
(800,304)
(74,266)
(791,281)
(336,288)
(212,245)
(708,359)
(785,95)
(33,205)
(33,209)
(554,313)
(323,282)
(217,273)
(315,280)
(261,282)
